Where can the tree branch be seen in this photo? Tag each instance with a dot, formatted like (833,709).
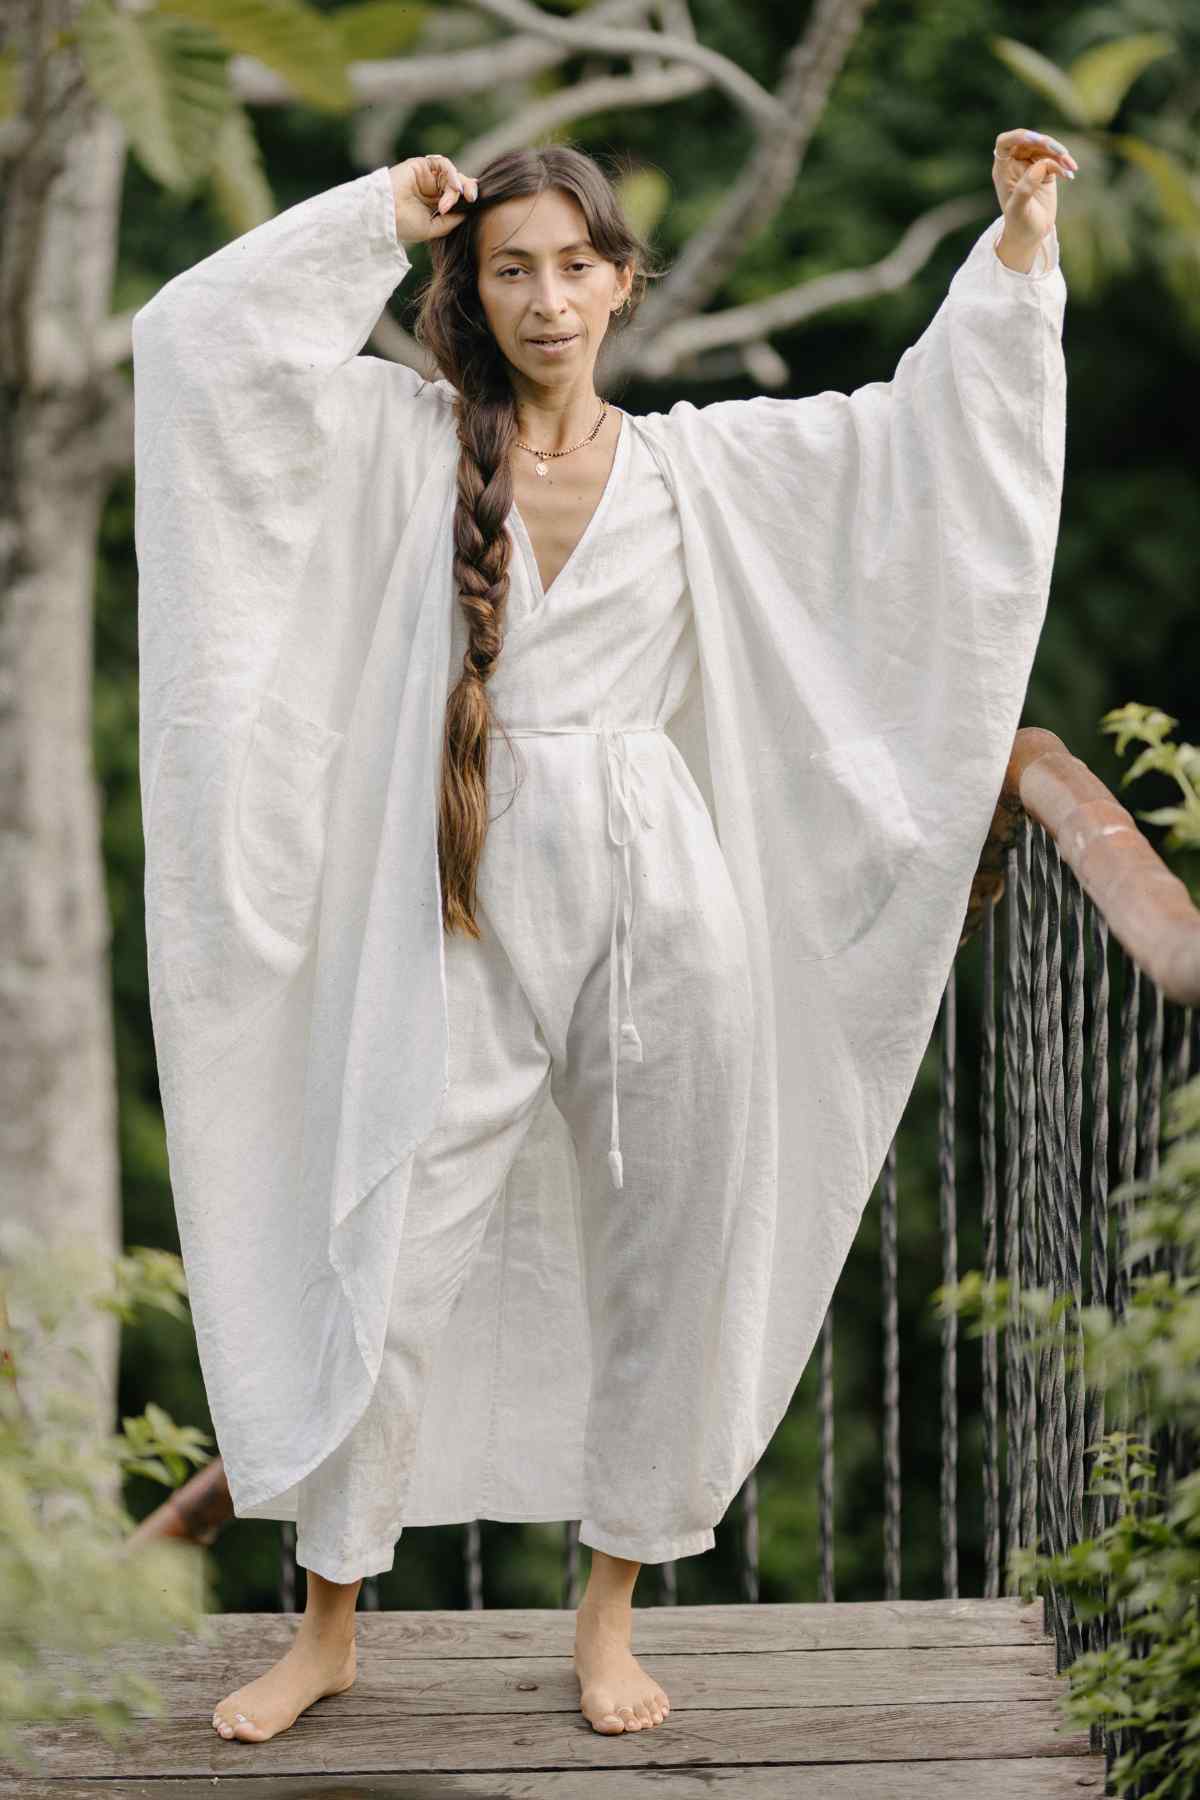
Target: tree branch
(605,94)
(580,33)
(770,171)
(445,75)
(748,325)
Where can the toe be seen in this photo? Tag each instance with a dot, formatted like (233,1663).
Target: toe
(629,1714)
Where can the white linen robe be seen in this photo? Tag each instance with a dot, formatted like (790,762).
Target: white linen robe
(869,576)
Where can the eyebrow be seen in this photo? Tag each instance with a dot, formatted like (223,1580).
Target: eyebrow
(510,250)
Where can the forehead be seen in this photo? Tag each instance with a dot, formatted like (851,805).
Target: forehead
(540,224)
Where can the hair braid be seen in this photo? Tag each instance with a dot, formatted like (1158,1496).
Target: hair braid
(482,552)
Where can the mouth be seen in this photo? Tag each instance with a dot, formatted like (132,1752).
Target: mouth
(553,346)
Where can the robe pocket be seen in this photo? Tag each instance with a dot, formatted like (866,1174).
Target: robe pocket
(858,833)
(283,814)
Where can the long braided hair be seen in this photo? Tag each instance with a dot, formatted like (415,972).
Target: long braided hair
(453,327)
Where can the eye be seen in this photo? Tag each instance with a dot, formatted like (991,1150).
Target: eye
(512,269)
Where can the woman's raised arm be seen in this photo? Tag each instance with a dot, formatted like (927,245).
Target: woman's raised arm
(255,415)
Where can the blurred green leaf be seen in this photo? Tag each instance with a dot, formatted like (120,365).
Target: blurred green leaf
(238,187)
(1103,75)
(378,28)
(297,42)
(1043,76)
(165,80)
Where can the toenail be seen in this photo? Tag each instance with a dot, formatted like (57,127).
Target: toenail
(241,1718)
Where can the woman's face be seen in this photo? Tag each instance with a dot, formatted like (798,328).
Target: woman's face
(539,277)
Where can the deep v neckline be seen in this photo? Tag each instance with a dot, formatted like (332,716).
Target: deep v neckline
(542,594)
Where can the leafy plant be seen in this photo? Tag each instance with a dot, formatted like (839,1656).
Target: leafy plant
(71,1592)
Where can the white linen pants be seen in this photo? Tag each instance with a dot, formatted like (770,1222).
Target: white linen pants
(532,1015)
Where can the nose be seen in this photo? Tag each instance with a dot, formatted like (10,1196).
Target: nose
(547,296)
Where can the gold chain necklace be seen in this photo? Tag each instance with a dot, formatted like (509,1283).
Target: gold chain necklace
(542,455)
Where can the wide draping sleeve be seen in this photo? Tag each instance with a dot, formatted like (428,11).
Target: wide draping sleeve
(293,501)
(884,558)
(265,518)
(870,573)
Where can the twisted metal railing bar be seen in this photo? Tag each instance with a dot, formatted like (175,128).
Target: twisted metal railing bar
(891,1377)
(987,1140)
(948,1217)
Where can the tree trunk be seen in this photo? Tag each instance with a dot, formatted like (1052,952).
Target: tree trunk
(61,429)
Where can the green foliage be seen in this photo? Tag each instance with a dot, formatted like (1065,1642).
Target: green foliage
(644,194)
(1044,77)
(238,184)
(74,1592)
(164,79)
(1103,75)
(1181,762)
(1147,1562)
(293,39)
(164,74)
(377,28)
(1143,1568)
(1092,89)
(1088,94)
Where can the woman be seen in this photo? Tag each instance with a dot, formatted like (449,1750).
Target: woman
(745,678)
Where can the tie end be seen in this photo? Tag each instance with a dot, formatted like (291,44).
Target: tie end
(631,1044)
(615,1168)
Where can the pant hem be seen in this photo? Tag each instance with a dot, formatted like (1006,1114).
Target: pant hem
(647,1550)
(344,1569)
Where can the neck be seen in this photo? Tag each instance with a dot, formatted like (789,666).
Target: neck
(555,418)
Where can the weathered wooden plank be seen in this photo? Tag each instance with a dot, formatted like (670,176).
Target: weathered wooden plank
(1033,1778)
(686,1630)
(393,1686)
(335,1739)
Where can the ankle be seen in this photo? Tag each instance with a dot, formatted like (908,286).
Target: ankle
(329,1617)
(611,1581)
(602,1607)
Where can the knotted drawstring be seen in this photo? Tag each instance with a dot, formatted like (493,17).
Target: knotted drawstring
(627,806)
(625,794)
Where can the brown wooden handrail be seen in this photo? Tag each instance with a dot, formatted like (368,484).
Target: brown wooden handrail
(1147,908)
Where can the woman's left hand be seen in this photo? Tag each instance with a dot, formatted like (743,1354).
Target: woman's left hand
(1025,172)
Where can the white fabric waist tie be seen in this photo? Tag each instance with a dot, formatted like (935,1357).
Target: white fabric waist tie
(626,815)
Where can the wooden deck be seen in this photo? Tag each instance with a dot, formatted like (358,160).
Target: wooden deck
(911,1700)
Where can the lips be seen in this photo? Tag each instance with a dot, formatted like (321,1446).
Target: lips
(547,342)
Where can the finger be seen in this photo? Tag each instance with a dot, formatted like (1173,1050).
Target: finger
(437,177)
(1024,143)
(1039,172)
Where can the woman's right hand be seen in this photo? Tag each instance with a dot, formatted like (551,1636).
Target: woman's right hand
(426,188)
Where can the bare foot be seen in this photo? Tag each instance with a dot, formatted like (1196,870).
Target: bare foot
(311,1669)
(616,1694)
